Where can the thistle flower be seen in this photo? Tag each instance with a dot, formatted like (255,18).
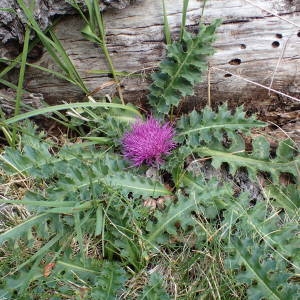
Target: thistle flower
(148,141)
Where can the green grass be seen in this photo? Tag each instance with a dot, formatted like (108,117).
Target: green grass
(188,273)
(20,82)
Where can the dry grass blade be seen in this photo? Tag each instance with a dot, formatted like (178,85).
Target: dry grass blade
(278,62)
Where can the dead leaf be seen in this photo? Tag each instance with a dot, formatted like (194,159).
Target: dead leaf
(48,269)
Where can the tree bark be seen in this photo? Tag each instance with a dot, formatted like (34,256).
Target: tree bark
(259,41)
(12,19)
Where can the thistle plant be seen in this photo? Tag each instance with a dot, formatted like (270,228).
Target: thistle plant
(147,142)
(87,233)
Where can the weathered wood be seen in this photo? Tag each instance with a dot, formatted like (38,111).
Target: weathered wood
(12,19)
(31,101)
(252,43)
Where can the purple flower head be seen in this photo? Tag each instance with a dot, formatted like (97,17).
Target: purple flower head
(148,141)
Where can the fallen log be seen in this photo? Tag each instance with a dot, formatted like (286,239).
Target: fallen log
(258,42)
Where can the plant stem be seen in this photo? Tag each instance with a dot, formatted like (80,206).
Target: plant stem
(103,45)
(21,81)
(202,12)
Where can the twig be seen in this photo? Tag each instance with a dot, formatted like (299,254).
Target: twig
(258,84)
(278,62)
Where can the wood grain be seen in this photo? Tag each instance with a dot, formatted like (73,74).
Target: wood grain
(252,43)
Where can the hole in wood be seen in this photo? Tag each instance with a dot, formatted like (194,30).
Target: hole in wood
(243,46)
(298,34)
(35,54)
(275,44)
(13,49)
(279,35)
(235,61)
(227,75)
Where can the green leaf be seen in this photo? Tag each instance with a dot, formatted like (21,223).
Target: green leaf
(16,287)
(99,220)
(81,179)
(218,135)
(90,35)
(209,206)
(253,163)
(183,19)
(260,272)
(179,215)
(202,127)
(21,81)
(154,290)
(261,148)
(111,279)
(35,159)
(265,226)
(68,267)
(130,251)
(286,197)
(26,226)
(137,185)
(286,150)
(183,67)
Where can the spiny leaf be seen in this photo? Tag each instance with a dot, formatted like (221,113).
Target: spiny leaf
(175,213)
(69,269)
(110,172)
(137,185)
(206,132)
(179,214)
(154,290)
(111,279)
(35,159)
(76,184)
(199,127)
(217,200)
(182,69)
(258,160)
(73,266)
(78,170)
(15,287)
(266,226)
(260,271)
(20,229)
(286,197)
(32,160)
